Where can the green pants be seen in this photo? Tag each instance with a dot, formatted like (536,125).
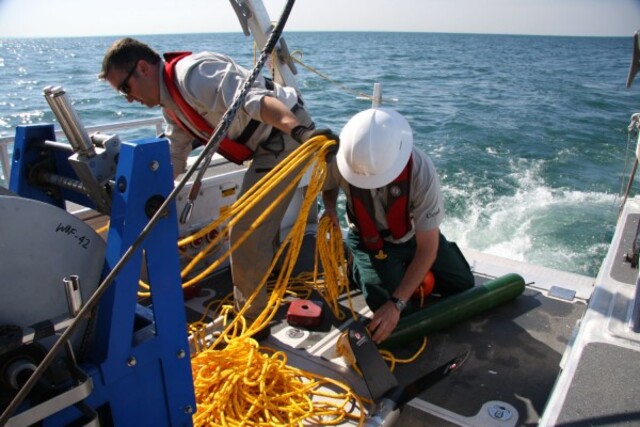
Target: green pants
(378,279)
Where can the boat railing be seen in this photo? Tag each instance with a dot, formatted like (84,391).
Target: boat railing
(7,142)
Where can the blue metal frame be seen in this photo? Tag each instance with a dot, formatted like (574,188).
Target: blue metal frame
(27,152)
(139,358)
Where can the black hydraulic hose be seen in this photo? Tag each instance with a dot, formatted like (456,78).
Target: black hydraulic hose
(209,150)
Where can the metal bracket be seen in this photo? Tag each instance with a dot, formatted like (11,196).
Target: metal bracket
(243,15)
(73,396)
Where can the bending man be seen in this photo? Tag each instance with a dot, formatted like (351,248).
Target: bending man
(194,91)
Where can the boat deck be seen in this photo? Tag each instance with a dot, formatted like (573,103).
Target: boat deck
(515,348)
(599,381)
(534,360)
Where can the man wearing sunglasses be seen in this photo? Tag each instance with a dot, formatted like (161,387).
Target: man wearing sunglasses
(194,91)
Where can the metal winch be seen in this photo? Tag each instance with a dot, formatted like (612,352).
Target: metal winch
(119,356)
(51,260)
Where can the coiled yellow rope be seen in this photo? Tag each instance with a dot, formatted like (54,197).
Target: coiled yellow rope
(242,385)
(236,382)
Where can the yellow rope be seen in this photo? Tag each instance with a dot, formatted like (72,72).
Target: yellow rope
(301,158)
(313,151)
(330,255)
(243,385)
(246,202)
(104,228)
(236,382)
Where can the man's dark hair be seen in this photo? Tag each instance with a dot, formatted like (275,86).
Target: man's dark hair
(123,53)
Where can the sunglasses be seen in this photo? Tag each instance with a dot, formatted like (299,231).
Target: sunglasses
(124,87)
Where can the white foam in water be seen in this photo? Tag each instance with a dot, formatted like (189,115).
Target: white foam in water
(536,224)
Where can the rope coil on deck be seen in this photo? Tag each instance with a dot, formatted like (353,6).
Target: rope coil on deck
(246,386)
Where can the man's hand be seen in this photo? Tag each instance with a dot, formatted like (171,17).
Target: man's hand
(384,321)
(303,133)
(332,150)
(332,215)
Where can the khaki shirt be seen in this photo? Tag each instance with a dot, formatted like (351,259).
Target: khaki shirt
(209,82)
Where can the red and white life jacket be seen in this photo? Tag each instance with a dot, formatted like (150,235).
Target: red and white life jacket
(234,150)
(397,211)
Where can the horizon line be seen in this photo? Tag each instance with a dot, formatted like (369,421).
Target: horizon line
(4,37)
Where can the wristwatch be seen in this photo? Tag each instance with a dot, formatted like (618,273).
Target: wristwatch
(400,305)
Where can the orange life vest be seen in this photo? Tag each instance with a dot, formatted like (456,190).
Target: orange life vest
(234,150)
(397,211)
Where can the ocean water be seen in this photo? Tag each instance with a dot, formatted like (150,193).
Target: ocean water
(528,133)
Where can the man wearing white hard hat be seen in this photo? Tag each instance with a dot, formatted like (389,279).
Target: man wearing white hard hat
(394,211)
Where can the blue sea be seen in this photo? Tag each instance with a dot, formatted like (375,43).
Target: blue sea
(528,133)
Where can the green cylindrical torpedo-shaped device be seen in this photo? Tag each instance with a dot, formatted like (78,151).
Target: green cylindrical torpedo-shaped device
(455,308)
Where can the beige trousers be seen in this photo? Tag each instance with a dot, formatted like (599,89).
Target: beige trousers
(251,260)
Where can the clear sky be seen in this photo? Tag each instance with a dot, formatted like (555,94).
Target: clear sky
(47,18)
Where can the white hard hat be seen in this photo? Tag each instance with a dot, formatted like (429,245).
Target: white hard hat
(375,146)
